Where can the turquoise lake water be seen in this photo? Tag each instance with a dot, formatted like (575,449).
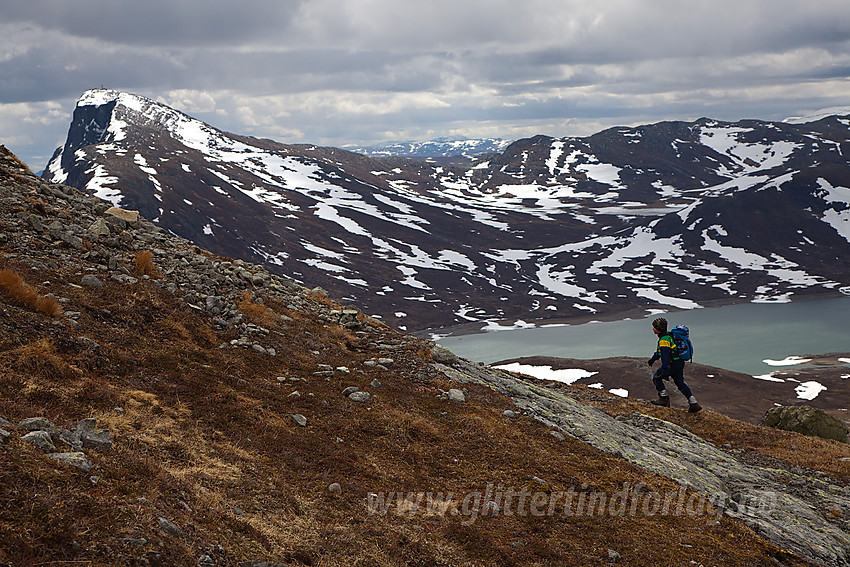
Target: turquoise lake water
(734,337)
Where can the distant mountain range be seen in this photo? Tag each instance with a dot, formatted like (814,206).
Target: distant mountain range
(674,214)
(436,150)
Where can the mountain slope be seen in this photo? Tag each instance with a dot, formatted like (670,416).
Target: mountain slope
(667,215)
(225,432)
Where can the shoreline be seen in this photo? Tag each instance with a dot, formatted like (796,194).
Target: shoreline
(478,327)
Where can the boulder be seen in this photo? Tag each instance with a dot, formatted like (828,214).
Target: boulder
(442,355)
(37,424)
(806,420)
(91,281)
(123,214)
(74,459)
(456,396)
(359,397)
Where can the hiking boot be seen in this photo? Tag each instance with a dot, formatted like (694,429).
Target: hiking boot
(663,401)
(694,407)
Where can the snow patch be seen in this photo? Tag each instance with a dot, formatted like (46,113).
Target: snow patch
(566,375)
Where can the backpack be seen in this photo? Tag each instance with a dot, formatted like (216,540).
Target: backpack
(684,347)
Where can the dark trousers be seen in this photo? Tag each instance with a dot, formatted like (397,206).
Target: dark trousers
(677,368)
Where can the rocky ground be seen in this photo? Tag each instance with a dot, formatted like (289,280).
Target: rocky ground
(162,405)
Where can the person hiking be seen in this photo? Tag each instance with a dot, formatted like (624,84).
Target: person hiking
(672,366)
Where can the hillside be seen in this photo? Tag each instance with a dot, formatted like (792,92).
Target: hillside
(674,214)
(208,408)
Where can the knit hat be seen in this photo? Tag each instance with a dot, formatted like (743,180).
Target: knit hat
(660,324)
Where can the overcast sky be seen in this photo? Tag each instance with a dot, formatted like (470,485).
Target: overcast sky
(341,72)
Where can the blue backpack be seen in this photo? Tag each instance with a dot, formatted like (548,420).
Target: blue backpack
(684,347)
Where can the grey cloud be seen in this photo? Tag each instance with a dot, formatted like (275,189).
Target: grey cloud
(158,22)
(556,65)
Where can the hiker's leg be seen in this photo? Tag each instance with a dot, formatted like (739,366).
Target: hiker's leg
(677,368)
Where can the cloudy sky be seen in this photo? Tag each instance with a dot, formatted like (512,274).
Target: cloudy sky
(342,72)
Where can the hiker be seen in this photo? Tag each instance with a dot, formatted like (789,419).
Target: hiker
(672,366)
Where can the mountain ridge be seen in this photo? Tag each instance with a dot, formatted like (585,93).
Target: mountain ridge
(673,214)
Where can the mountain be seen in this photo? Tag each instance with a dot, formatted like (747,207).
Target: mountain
(164,405)
(674,214)
(440,150)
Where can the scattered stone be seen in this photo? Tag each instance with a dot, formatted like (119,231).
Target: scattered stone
(613,556)
(299,420)
(350,390)
(40,439)
(4,436)
(375,383)
(86,425)
(127,216)
(558,435)
(343,369)
(5,423)
(334,488)
(370,363)
(99,228)
(442,355)
(294,394)
(509,414)
(206,561)
(91,281)
(360,397)
(98,439)
(37,424)
(456,396)
(75,459)
(169,528)
(318,292)
(385,361)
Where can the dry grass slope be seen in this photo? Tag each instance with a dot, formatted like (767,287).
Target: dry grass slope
(15,288)
(206,440)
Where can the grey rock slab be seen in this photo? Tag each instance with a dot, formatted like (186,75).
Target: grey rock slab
(4,436)
(350,390)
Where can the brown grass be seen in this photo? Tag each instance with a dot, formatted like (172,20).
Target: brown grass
(24,294)
(206,439)
(40,359)
(257,313)
(143,264)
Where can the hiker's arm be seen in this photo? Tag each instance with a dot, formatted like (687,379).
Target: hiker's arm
(652,360)
(666,356)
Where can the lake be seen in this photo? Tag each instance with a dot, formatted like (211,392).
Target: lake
(735,337)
